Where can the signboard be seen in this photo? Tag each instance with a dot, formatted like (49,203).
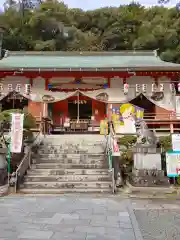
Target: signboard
(173,163)
(176,142)
(16,132)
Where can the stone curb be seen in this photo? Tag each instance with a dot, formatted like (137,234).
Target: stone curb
(135,225)
(149,192)
(4,190)
(153,190)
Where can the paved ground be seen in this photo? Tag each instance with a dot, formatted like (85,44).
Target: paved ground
(55,218)
(88,218)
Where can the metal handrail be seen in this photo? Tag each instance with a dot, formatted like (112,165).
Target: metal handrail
(26,159)
(109,158)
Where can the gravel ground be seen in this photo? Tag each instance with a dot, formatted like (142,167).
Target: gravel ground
(158,221)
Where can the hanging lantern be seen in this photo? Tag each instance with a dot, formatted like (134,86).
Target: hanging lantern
(126,88)
(78,81)
(154,87)
(161,87)
(105,86)
(10,88)
(137,88)
(18,88)
(144,88)
(50,86)
(27,89)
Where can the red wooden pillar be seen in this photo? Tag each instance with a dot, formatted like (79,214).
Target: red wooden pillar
(46,84)
(35,108)
(108,111)
(60,112)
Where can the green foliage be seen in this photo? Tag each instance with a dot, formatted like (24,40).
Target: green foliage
(29,120)
(127,141)
(123,28)
(166,143)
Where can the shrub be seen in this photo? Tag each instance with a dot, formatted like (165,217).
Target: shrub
(166,143)
(29,120)
(126,159)
(127,141)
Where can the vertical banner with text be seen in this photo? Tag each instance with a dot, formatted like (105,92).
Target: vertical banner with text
(17,132)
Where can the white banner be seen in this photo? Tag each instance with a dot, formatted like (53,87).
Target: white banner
(175,142)
(17,132)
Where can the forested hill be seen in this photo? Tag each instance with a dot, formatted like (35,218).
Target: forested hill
(106,29)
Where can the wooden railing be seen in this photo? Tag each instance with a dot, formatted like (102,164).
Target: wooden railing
(161,116)
(160,122)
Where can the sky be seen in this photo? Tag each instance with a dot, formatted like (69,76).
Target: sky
(92,4)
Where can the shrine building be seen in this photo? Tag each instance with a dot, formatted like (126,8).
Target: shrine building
(86,86)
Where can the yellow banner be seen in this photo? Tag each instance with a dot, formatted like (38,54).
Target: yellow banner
(103,127)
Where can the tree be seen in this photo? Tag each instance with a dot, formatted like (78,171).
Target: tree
(52,26)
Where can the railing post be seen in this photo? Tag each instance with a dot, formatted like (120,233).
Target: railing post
(16,182)
(29,158)
(113,181)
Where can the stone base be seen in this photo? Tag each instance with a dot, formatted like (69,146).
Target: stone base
(148,178)
(147,157)
(3,176)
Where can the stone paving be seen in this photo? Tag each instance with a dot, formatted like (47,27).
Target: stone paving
(66,217)
(88,218)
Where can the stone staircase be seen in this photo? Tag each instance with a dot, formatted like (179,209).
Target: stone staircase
(69,164)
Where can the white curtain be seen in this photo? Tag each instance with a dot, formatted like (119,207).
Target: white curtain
(169,102)
(178,107)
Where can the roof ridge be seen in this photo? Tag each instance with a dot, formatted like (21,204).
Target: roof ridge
(85,53)
(112,61)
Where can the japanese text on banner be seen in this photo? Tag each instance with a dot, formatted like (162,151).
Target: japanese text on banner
(17,132)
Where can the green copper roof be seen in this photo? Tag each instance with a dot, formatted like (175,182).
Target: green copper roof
(84,60)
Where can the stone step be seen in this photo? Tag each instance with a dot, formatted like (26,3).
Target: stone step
(72,155)
(78,137)
(65,185)
(63,178)
(64,151)
(70,161)
(67,166)
(63,191)
(49,172)
(73,141)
